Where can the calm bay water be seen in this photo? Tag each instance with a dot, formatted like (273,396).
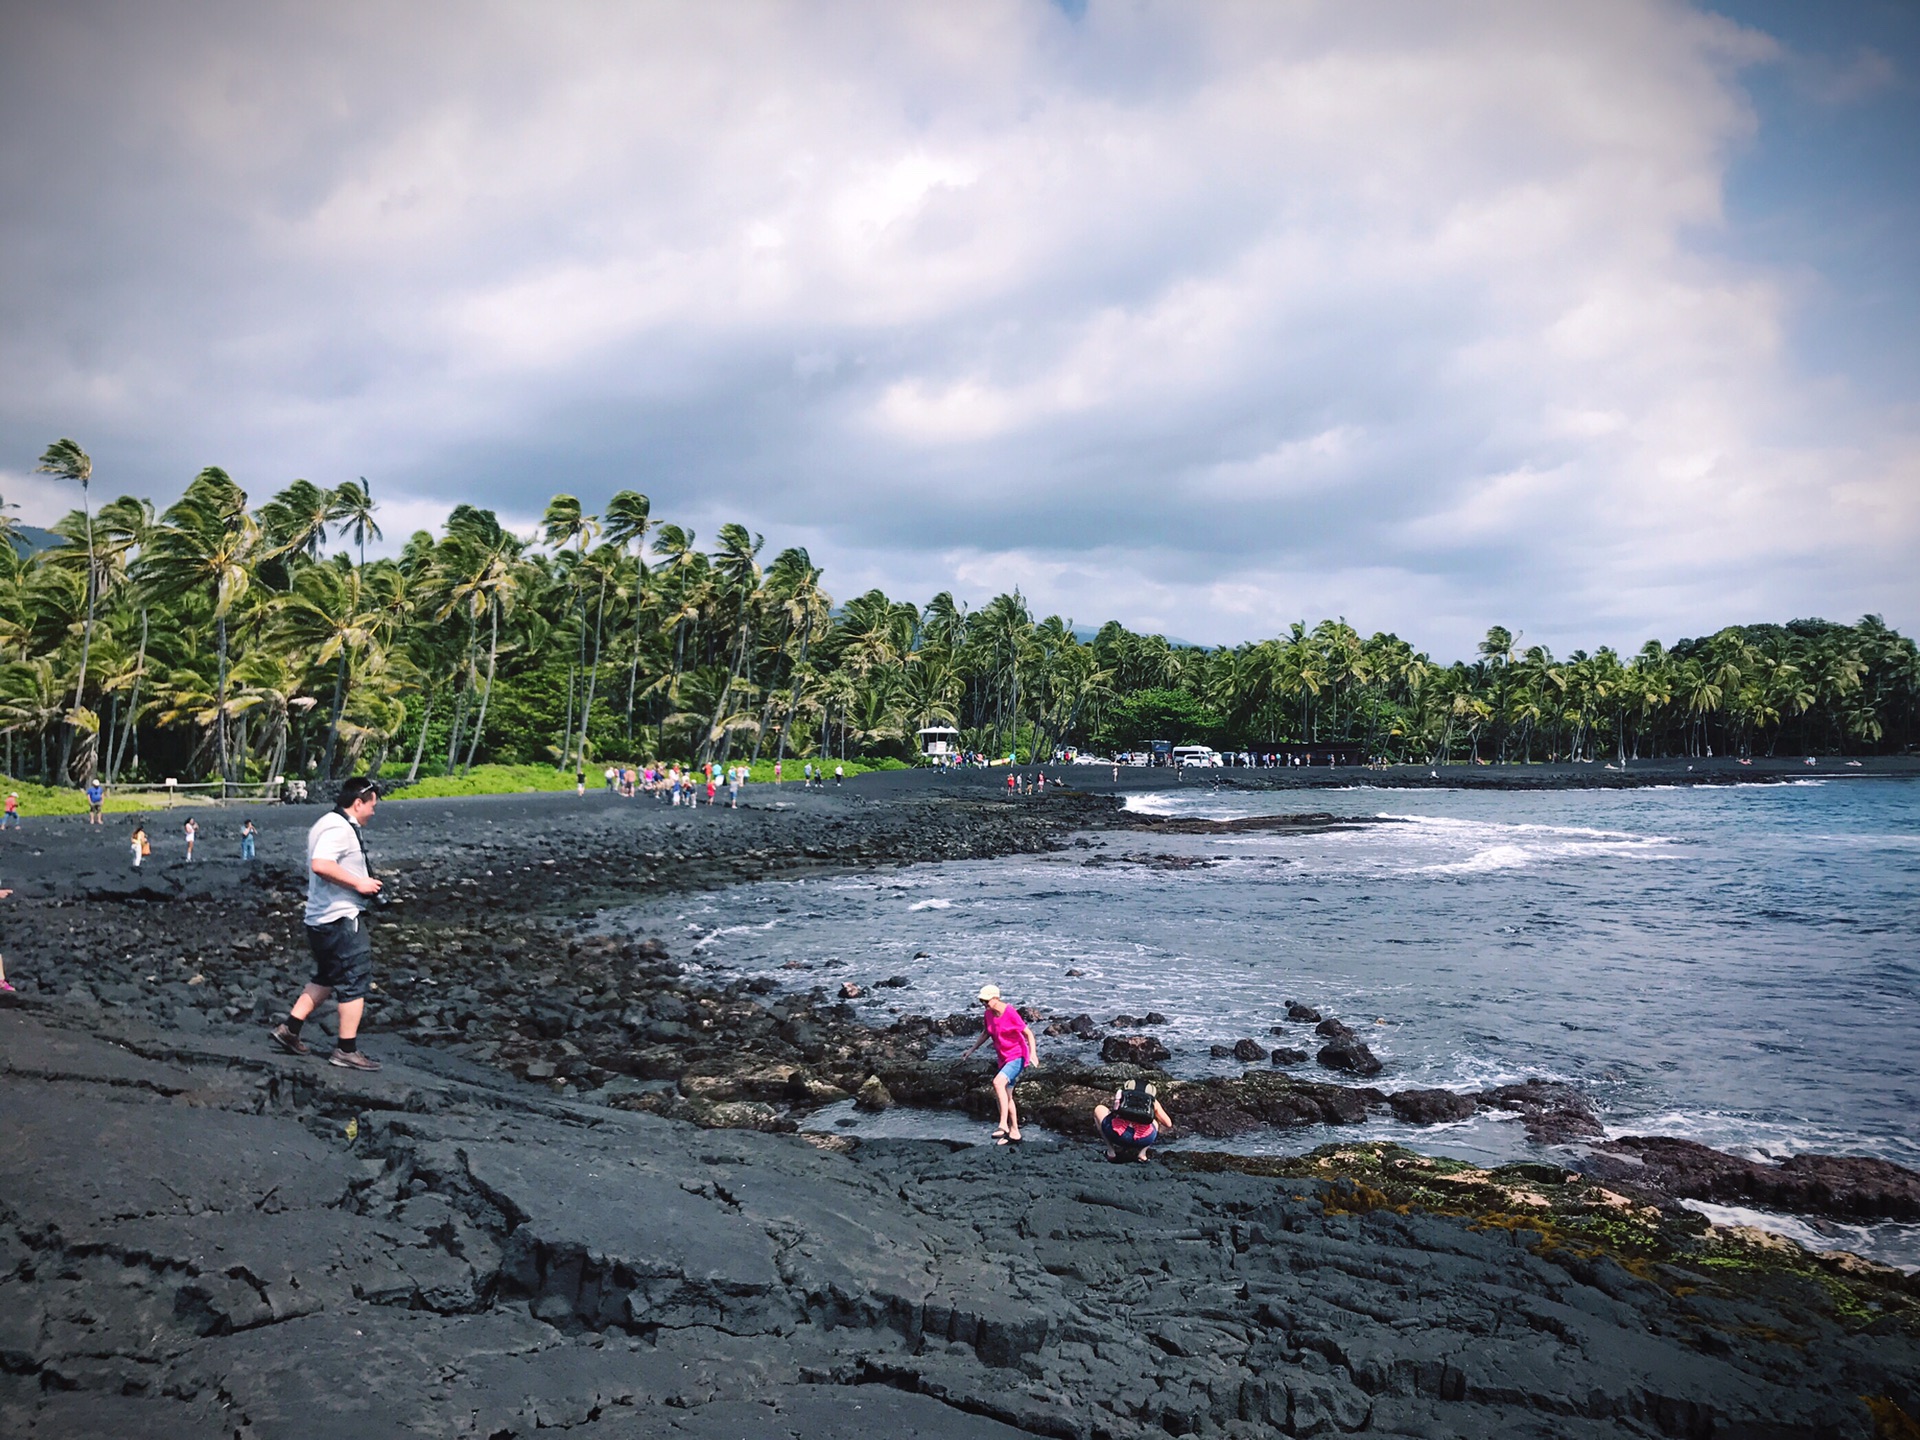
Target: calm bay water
(1737,965)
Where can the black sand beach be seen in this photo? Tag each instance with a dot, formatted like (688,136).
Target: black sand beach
(573,1198)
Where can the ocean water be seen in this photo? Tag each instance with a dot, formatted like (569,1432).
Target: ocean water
(1736,965)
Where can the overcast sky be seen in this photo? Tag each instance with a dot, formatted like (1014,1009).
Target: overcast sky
(1597,321)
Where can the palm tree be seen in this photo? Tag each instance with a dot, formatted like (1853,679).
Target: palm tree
(335,612)
(805,610)
(207,541)
(479,574)
(629,516)
(565,523)
(68,461)
(351,507)
(737,565)
(293,525)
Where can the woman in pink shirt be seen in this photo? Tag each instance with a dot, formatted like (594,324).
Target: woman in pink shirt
(1013,1042)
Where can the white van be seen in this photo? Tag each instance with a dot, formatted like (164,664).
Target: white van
(1195,755)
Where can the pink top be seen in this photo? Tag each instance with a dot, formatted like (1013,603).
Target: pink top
(1009,1034)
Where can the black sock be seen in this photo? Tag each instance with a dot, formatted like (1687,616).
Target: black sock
(293,1024)
(349,1045)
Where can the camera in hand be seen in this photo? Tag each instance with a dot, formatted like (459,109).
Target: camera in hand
(380,899)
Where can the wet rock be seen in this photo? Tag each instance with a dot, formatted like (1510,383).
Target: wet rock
(1348,1054)
(1303,1014)
(1248,1051)
(1431,1107)
(1287,1055)
(851,991)
(1848,1187)
(1083,1026)
(1134,1050)
(1333,1029)
(894,982)
(1552,1112)
(872,1095)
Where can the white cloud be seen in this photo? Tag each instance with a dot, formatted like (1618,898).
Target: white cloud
(1203,317)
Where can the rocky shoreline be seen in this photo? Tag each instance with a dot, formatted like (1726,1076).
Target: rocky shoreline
(580,1154)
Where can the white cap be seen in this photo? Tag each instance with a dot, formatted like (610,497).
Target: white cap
(989,992)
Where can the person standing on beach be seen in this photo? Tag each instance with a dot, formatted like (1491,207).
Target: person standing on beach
(11,815)
(5,988)
(839,775)
(1013,1042)
(96,797)
(141,846)
(191,830)
(338,889)
(247,832)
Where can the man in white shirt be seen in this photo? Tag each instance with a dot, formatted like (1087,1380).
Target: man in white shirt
(338,889)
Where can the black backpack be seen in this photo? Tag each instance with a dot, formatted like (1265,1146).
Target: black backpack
(1136,1102)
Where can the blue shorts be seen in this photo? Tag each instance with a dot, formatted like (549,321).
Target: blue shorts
(1010,1071)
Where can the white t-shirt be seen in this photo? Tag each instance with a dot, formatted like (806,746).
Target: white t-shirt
(334,837)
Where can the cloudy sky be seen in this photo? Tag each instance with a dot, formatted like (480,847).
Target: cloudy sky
(1597,320)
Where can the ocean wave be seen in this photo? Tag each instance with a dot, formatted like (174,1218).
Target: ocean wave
(1891,1243)
(931,905)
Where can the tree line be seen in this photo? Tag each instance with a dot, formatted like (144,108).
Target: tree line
(221,639)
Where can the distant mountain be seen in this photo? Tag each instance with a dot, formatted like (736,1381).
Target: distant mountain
(31,539)
(1086,634)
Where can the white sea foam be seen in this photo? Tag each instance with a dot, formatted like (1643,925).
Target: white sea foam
(931,905)
(1891,1240)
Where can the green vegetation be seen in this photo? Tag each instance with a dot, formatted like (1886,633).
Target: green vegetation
(222,640)
(1562,1216)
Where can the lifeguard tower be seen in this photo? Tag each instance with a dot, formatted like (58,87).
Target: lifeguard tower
(939,744)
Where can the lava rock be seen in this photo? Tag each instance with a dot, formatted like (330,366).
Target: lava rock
(851,991)
(1134,1050)
(1304,1014)
(1853,1187)
(1333,1029)
(894,982)
(1553,1113)
(872,1095)
(1287,1055)
(1431,1107)
(1347,1053)
(1249,1051)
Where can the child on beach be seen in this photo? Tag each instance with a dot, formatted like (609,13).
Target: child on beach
(1132,1124)
(191,830)
(1013,1042)
(247,832)
(11,815)
(141,846)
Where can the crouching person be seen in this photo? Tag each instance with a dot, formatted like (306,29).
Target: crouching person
(1132,1124)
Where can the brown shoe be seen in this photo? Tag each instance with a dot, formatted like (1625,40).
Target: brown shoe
(289,1042)
(352,1060)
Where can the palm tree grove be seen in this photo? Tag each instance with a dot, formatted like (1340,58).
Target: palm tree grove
(227,640)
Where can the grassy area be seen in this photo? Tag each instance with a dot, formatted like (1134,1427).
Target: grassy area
(47,800)
(520,779)
(481,780)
